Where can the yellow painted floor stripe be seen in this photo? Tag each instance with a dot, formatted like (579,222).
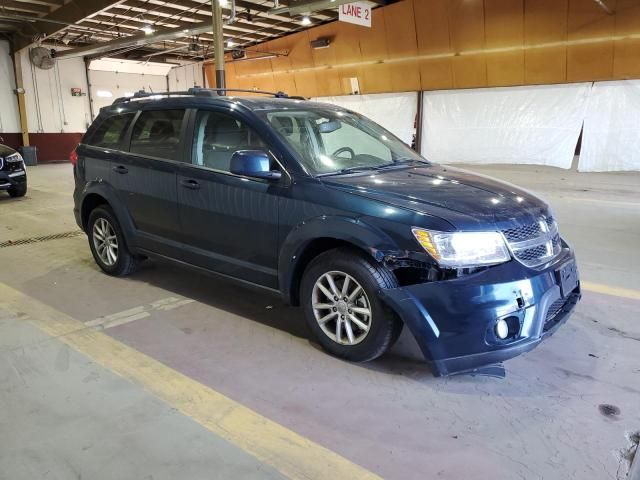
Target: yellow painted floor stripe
(288,452)
(609,290)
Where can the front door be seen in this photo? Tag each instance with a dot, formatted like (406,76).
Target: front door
(229,223)
(145,179)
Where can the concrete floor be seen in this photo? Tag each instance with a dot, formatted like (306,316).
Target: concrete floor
(67,415)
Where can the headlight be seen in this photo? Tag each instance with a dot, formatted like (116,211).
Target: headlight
(463,249)
(14,158)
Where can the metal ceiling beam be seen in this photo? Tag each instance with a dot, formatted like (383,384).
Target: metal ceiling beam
(49,3)
(24,7)
(137,40)
(203,13)
(69,13)
(308,6)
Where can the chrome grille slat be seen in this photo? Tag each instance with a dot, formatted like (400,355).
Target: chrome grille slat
(535,243)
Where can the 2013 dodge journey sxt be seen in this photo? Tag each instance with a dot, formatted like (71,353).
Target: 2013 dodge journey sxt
(335,213)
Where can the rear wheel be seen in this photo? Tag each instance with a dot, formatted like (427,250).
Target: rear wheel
(18,191)
(341,306)
(107,243)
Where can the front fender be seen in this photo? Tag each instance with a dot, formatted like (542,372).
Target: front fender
(354,231)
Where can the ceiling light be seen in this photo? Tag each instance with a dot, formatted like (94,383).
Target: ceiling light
(230,43)
(224,3)
(306,20)
(147,29)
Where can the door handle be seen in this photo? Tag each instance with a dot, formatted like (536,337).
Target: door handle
(120,169)
(190,184)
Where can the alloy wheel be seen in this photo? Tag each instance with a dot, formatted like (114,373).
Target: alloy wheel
(341,308)
(105,241)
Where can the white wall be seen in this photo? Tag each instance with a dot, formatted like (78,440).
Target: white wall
(536,125)
(394,111)
(121,85)
(186,76)
(50,106)
(9,116)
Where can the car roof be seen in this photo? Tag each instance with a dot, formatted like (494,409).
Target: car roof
(161,100)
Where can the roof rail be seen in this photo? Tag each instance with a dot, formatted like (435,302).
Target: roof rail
(201,92)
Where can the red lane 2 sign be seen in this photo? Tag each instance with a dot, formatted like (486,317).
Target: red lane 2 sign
(356,12)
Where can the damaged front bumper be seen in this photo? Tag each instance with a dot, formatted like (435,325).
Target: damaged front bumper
(454,321)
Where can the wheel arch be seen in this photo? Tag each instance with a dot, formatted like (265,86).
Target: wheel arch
(308,240)
(99,193)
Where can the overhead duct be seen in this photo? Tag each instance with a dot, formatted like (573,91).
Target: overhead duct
(308,6)
(136,40)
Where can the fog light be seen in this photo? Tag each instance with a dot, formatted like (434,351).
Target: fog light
(502,329)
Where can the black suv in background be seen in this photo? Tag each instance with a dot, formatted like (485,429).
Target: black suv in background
(13,173)
(332,211)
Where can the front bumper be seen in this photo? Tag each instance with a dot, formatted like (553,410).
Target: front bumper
(453,321)
(12,179)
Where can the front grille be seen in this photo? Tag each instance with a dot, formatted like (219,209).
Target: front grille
(534,243)
(522,233)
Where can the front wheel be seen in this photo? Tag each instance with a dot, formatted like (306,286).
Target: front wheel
(341,306)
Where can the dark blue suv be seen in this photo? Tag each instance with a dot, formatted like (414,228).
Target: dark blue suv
(332,211)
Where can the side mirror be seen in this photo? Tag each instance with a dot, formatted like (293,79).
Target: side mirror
(253,163)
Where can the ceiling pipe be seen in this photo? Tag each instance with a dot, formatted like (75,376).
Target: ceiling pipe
(136,40)
(232,17)
(308,6)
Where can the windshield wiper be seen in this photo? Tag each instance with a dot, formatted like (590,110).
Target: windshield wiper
(405,161)
(344,171)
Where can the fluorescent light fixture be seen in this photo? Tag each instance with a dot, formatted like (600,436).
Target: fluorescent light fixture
(306,20)
(147,29)
(104,93)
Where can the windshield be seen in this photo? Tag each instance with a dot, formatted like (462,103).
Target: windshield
(330,142)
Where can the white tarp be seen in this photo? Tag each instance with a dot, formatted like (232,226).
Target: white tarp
(611,138)
(517,125)
(394,111)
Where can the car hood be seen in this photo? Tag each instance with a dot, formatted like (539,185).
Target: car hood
(436,190)
(4,150)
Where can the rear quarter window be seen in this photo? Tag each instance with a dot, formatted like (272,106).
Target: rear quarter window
(111,132)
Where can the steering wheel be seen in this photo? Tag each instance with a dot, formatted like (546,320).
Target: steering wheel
(342,150)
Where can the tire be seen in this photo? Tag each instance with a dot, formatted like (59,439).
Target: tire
(19,191)
(384,327)
(125,262)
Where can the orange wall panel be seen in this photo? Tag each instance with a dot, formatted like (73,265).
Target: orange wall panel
(545,23)
(587,20)
(442,44)
(504,30)
(626,63)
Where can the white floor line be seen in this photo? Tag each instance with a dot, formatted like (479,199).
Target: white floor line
(137,313)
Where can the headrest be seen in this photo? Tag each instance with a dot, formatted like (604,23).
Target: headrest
(162,129)
(284,125)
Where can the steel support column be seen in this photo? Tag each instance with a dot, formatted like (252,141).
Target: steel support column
(218,43)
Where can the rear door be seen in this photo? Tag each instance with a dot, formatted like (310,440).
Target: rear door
(229,223)
(145,178)
(102,145)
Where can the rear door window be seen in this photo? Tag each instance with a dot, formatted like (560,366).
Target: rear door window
(156,133)
(111,132)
